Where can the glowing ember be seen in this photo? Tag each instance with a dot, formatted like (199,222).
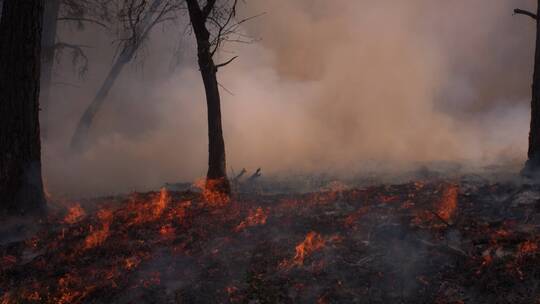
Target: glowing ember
(97,237)
(75,214)
(132,262)
(167,231)
(527,247)
(256,217)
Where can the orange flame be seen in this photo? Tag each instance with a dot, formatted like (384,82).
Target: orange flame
(151,210)
(75,214)
(211,191)
(97,237)
(448,204)
(161,203)
(256,217)
(310,244)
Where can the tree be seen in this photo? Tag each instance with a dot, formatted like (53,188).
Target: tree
(21,186)
(80,12)
(139,19)
(220,19)
(532,165)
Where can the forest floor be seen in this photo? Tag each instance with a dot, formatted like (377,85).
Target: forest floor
(437,241)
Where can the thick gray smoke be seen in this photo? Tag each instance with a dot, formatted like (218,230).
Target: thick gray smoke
(326,86)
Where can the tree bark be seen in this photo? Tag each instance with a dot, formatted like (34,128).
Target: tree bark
(80,136)
(21,186)
(532,165)
(217,173)
(48,41)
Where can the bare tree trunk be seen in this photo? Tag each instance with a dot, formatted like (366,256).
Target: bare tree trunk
(21,186)
(80,136)
(217,173)
(48,41)
(83,127)
(532,165)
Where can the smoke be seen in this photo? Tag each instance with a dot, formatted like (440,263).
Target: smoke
(325,86)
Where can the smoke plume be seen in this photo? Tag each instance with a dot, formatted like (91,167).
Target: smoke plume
(325,86)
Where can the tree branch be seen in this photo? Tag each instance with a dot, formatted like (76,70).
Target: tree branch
(83,20)
(519,11)
(225,63)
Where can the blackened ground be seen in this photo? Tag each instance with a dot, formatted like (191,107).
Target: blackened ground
(443,241)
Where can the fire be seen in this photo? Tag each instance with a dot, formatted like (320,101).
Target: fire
(148,211)
(75,214)
(211,192)
(256,217)
(97,237)
(161,203)
(313,242)
(448,204)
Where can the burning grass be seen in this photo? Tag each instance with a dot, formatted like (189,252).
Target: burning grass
(433,242)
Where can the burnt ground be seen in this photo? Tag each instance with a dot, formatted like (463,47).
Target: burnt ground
(440,241)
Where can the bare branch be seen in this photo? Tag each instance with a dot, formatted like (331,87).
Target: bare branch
(84,20)
(519,11)
(226,62)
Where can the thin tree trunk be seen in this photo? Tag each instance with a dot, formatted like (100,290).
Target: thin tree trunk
(48,41)
(217,173)
(80,136)
(83,127)
(533,162)
(21,186)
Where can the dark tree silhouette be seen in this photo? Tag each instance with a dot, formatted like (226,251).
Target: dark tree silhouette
(220,20)
(532,165)
(21,186)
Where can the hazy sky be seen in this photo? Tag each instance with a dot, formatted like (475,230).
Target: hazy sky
(326,86)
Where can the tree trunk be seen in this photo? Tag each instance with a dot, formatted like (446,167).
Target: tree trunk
(48,41)
(533,163)
(80,136)
(83,127)
(216,177)
(217,169)
(21,186)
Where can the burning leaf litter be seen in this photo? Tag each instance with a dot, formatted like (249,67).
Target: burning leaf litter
(432,242)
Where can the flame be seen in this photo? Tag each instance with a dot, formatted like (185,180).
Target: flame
(149,211)
(211,192)
(161,203)
(256,217)
(448,204)
(97,237)
(313,242)
(75,214)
